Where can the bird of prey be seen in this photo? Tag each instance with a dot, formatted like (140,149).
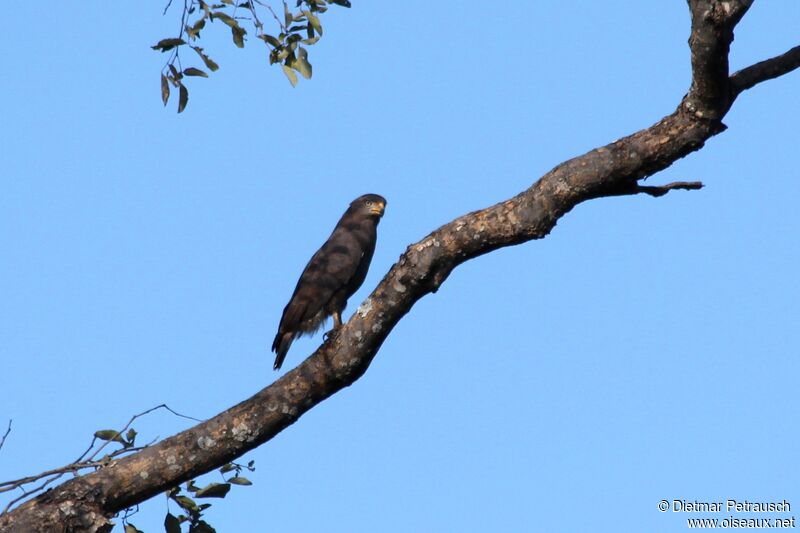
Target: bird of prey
(333,274)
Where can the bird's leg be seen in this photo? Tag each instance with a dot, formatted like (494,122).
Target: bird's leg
(337,323)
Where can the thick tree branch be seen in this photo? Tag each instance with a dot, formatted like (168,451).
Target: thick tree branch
(712,34)
(86,503)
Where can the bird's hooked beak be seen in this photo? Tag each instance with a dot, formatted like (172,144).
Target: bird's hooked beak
(378,208)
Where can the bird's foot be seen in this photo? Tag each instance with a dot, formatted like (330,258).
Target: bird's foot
(328,334)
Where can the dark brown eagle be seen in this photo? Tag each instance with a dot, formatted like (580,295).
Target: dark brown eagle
(334,273)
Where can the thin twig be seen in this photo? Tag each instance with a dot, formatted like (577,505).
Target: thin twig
(174,55)
(661,190)
(3,439)
(25,493)
(187,4)
(633,187)
(283,28)
(6,486)
(129,512)
(134,417)
(256,21)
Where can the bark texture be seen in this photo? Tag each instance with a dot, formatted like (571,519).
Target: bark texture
(87,503)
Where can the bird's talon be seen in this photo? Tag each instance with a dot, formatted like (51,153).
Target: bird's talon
(328,334)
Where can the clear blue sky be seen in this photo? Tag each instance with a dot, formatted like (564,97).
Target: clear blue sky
(646,350)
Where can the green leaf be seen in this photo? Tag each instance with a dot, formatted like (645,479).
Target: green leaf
(131,434)
(191,71)
(213,490)
(212,66)
(168,44)
(301,63)
(224,17)
(238,480)
(314,21)
(109,434)
(290,74)
(172,524)
(183,98)
(164,94)
(227,468)
(287,17)
(271,40)
(130,528)
(185,502)
(343,3)
(238,35)
(193,31)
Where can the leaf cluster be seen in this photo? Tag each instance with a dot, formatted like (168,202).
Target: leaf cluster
(190,517)
(191,513)
(295,28)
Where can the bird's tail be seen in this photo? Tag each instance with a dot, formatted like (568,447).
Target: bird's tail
(281,344)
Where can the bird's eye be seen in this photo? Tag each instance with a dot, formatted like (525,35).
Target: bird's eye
(368,202)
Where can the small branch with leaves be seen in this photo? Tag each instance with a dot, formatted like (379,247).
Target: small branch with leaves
(126,437)
(191,513)
(297,27)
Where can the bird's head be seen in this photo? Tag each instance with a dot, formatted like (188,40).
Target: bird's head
(369,205)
